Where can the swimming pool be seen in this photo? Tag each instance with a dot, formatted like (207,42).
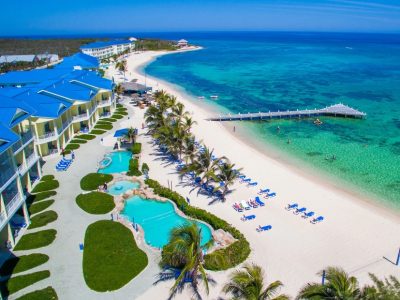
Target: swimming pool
(157,219)
(119,163)
(122,186)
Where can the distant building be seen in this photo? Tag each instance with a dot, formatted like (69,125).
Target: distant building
(106,49)
(182,43)
(132,39)
(50,58)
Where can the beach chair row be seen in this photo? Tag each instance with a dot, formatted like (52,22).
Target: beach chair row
(304,213)
(259,228)
(63,164)
(247,205)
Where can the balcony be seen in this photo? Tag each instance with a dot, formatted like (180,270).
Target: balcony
(7,175)
(81,117)
(30,161)
(92,109)
(26,138)
(14,205)
(104,103)
(47,137)
(64,126)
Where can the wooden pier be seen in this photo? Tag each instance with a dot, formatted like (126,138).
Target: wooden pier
(337,110)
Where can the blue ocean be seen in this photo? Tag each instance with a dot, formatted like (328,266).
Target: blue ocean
(259,71)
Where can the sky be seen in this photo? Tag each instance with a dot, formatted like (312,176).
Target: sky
(28,17)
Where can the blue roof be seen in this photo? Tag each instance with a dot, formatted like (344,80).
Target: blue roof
(7,138)
(105,44)
(13,112)
(121,132)
(31,77)
(79,59)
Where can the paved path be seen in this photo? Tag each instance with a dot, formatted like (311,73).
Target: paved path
(65,262)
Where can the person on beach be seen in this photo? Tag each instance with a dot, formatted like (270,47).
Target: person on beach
(234,128)
(105,187)
(63,152)
(72,154)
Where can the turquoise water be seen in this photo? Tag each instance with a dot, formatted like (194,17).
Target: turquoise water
(122,186)
(120,162)
(157,219)
(254,72)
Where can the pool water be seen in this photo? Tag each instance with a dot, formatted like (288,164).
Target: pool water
(122,186)
(157,219)
(119,164)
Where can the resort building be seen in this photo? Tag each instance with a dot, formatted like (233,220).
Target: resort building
(107,49)
(49,58)
(183,43)
(40,112)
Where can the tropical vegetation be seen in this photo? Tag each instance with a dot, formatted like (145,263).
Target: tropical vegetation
(249,283)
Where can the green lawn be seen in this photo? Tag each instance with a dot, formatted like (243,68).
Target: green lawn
(78,141)
(47,185)
(97,131)
(117,116)
(86,137)
(22,263)
(18,283)
(45,294)
(47,177)
(96,202)
(111,257)
(41,206)
(43,219)
(92,181)
(40,196)
(108,119)
(72,146)
(104,126)
(36,240)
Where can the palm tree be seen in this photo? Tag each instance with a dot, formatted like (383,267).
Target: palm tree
(249,284)
(121,66)
(227,174)
(339,286)
(131,134)
(188,123)
(205,166)
(387,289)
(184,252)
(119,89)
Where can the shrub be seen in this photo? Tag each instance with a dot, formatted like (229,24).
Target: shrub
(40,196)
(43,219)
(221,259)
(111,257)
(18,283)
(122,113)
(45,294)
(116,116)
(85,136)
(47,185)
(36,240)
(104,126)
(23,263)
(119,105)
(92,181)
(145,168)
(96,203)
(72,146)
(38,207)
(78,141)
(47,177)
(136,148)
(97,131)
(134,168)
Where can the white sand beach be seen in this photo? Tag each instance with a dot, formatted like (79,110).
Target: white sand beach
(355,234)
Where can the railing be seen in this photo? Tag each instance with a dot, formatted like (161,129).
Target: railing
(31,160)
(106,114)
(46,137)
(80,117)
(3,218)
(64,126)
(6,176)
(17,146)
(92,109)
(13,205)
(27,137)
(21,168)
(104,103)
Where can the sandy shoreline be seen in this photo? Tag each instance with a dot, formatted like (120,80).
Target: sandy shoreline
(355,235)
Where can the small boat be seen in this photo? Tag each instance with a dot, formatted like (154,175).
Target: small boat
(201,97)
(318,122)
(214,96)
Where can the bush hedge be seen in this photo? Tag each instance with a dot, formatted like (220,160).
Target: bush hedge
(122,113)
(136,148)
(43,219)
(41,206)
(222,259)
(119,105)
(40,196)
(44,186)
(97,131)
(134,168)
(104,126)
(23,263)
(47,177)
(111,257)
(18,283)
(78,141)
(92,181)
(145,168)
(85,136)
(45,294)
(117,116)
(96,203)
(36,240)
